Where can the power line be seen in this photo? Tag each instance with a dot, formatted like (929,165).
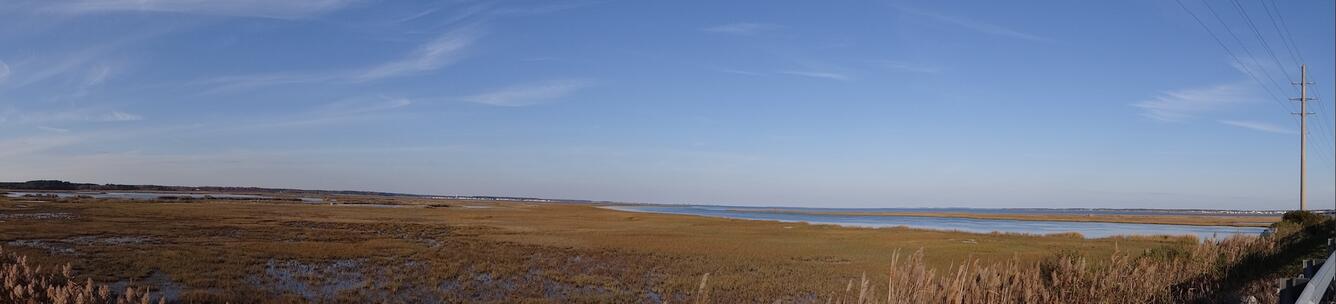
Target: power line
(1245,51)
(1325,125)
(1245,69)
(1288,35)
(1285,41)
(1265,45)
(1283,30)
(1323,141)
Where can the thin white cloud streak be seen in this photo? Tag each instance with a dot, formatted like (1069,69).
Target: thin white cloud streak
(53,129)
(739,72)
(97,75)
(1259,126)
(974,25)
(440,52)
(1184,104)
(354,106)
(804,73)
(336,113)
(34,71)
(41,145)
(32,144)
(119,116)
(277,9)
(1267,70)
(909,67)
(742,28)
(819,74)
(4,71)
(446,49)
(529,94)
(84,67)
(350,110)
(25,117)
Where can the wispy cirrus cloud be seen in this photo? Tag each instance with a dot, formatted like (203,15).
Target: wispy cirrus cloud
(742,28)
(53,129)
(30,117)
(11,147)
(57,138)
(4,71)
(1259,126)
(94,77)
(362,105)
(97,75)
(974,25)
(809,73)
(433,55)
(36,70)
(818,74)
(467,27)
(344,111)
(530,94)
(118,116)
(1181,105)
(738,72)
(284,9)
(908,67)
(89,66)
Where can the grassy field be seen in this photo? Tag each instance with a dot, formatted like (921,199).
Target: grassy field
(484,252)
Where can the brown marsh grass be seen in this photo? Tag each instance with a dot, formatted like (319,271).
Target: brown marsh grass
(1238,269)
(264,252)
(25,283)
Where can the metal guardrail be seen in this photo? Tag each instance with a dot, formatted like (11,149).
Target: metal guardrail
(1316,282)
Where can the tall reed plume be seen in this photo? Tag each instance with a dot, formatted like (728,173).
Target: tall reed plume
(25,283)
(1163,275)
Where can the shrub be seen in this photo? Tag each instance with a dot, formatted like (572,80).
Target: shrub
(1305,218)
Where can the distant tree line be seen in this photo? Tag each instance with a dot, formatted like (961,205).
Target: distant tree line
(59,185)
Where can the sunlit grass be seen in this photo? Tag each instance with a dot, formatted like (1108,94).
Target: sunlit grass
(240,252)
(27,283)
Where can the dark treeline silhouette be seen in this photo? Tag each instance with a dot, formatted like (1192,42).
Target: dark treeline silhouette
(59,185)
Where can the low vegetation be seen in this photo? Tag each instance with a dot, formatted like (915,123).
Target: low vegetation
(505,252)
(1238,269)
(25,283)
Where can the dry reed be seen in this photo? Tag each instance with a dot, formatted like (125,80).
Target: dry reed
(1162,275)
(24,283)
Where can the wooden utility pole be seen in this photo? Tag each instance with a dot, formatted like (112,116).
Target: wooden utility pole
(1303,136)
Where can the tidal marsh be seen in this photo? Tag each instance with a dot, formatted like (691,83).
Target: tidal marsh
(234,251)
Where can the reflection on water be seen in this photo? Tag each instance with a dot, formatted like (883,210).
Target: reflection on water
(1088,229)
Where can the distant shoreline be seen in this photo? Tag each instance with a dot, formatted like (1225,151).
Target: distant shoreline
(1190,220)
(1203,219)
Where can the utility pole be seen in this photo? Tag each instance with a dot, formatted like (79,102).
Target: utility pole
(1303,136)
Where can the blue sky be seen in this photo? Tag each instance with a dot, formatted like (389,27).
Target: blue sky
(797,103)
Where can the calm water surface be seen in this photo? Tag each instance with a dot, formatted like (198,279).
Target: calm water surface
(1088,229)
